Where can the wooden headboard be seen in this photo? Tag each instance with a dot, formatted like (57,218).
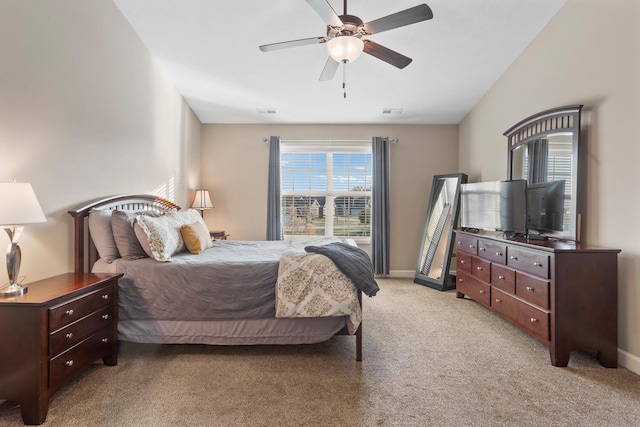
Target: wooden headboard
(84,251)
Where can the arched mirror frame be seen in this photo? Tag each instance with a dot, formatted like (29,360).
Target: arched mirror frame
(554,121)
(434,257)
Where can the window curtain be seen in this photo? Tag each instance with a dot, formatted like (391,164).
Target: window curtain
(274,217)
(538,160)
(380,206)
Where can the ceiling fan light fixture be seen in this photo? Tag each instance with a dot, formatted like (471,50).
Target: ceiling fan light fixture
(345,48)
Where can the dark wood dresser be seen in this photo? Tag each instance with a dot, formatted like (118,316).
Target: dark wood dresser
(563,295)
(54,332)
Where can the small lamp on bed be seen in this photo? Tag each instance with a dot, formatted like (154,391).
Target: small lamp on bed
(18,205)
(202,201)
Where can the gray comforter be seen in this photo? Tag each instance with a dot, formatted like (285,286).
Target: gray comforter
(232,280)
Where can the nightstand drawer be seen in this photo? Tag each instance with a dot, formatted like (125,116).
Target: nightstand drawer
(68,313)
(67,337)
(79,357)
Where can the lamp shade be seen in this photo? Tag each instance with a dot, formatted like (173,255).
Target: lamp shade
(18,204)
(345,48)
(202,200)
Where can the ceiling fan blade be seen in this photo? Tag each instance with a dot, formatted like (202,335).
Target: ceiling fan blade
(326,12)
(385,54)
(399,19)
(292,43)
(329,70)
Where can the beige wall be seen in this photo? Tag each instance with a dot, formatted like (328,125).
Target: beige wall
(235,168)
(588,54)
(85,112)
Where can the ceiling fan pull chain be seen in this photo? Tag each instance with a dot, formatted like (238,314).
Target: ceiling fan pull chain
(344,77)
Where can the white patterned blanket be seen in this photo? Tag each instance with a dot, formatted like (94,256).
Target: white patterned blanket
(310,285)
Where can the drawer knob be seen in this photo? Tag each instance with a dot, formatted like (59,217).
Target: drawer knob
(501,277)
(471,246)
(481,292)
(105,340)
(69,362)
(529,288)
(533,320)
(499,253)
(69,312)
(463,261)
(483,249)
(459,242)
(513,257)
(105,296)
(460,280)
(105,316)
(69,335)
(535,263)
(479,268)
(498,300)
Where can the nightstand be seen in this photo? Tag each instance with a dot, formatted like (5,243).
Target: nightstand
(54,332)
(218,235)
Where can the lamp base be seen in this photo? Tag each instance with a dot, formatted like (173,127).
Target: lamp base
(13,290)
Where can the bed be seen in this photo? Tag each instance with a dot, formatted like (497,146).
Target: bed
(228,293)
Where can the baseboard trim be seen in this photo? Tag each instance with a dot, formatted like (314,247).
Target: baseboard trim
(401,274)
(629,361)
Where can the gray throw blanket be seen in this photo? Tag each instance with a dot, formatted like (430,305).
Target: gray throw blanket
(353,262)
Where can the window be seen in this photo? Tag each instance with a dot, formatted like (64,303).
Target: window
(326,189)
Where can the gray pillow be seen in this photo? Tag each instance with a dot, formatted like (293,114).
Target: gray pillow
(102,235)
(124,235)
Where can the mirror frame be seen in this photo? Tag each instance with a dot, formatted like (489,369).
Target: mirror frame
(445,281)
(561,119)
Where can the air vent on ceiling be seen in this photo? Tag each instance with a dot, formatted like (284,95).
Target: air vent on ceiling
(266,110)
(392,111)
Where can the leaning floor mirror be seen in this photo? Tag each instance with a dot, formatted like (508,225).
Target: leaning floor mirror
(434,258)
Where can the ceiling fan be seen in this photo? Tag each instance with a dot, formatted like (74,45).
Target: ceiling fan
(345,36)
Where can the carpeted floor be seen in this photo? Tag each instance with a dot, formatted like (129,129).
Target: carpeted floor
(430,359)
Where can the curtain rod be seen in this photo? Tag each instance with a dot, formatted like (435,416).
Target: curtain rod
(392,140)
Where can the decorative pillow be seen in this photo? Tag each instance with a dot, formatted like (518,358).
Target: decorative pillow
(162,234)
(196,237)
(124,235)
(102,235)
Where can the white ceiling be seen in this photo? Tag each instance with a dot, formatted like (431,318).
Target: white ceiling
(209,48)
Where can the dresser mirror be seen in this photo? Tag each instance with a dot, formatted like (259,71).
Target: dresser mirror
(434,257)
(543,149)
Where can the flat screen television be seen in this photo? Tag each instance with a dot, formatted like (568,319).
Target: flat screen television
(545,206)
(494,206)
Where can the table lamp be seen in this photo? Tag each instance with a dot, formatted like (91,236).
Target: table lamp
(202,201)
(18,205)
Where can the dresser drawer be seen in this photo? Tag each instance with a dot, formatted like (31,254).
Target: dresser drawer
(503,278)
(467,285)
(463,262)
(481,269)
(529,262)
(67,337)
(532,290)
(533,321)
(70,363)
(65,314)
(466,244)
(494,252)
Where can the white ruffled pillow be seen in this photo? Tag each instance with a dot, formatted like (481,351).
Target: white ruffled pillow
(160,237)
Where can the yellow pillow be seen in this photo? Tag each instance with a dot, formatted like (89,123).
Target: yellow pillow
(196,237)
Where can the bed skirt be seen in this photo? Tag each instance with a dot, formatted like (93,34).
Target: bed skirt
(231,332)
